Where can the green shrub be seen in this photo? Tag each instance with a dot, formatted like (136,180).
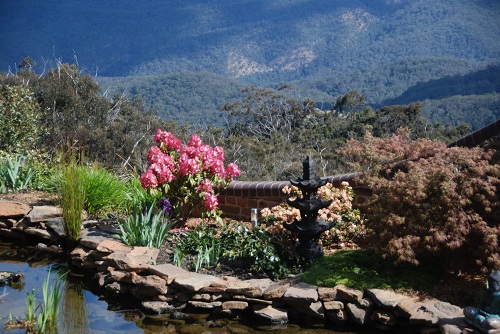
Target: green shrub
(20,129)
(430,201)
(201,245)
(145,229)
(234,243)
(46,173)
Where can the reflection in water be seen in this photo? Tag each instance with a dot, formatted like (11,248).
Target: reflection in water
(74,310)
(83,311)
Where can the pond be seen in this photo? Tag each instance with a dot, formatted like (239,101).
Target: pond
(84,310)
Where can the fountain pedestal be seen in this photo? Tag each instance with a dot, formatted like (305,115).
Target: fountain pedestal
(309,228)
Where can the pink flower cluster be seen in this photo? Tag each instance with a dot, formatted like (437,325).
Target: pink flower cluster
(195,165)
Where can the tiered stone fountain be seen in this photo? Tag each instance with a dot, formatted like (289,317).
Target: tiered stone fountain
(309,227)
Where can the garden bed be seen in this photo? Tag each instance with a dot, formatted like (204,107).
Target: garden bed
(236,287)
(460,290)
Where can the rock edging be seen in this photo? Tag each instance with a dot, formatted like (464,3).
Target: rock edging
(121,269)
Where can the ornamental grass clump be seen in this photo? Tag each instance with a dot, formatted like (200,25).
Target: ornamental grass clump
(72,198)
(188,175)
(349,227)
(103,190)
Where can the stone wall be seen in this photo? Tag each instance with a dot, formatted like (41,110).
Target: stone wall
(161,288)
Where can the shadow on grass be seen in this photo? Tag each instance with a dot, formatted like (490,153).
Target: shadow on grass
(364,269)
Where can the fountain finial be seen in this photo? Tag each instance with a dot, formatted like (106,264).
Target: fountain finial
(308,169)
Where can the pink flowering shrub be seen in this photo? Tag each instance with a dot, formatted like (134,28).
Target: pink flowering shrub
(349,227)
(187,175)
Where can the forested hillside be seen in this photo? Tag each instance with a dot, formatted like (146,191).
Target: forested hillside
(196,98)
(392,51)
(182,97)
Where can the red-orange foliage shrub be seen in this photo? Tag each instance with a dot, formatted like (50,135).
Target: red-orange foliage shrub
(430,200)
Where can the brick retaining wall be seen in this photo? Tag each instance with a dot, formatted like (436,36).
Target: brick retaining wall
(241,196)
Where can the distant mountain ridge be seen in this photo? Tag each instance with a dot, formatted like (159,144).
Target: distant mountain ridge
(383,48)
(291,36)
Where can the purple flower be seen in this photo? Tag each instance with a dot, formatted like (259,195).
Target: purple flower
(165,206)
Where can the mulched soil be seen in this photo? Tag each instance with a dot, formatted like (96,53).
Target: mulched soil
(460,290)
(31,198)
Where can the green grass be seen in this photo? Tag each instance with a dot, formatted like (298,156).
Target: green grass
(363,269)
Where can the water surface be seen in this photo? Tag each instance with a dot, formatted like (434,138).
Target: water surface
(83,310)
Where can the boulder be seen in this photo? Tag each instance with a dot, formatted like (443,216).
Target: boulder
(8,278)
(7,223)
(385,318)
(276,290)
(80,255)
(11,234)
(167,271)
(147,286)
(385,298)
(270,315)
(327,294)
(112,245)
(205,305)
(349,295)
(138,259)
(92,237)
(41,234)
(157,307)
(251,288)
(253,300)
(117,288)
(194,281)
(56,225)
(315,310)
(428,312)
(337,316)
(42,213)
(358,314)
(11,209)
(52,249)
(234,305)
(301,293)
(333,305)
(204,297)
